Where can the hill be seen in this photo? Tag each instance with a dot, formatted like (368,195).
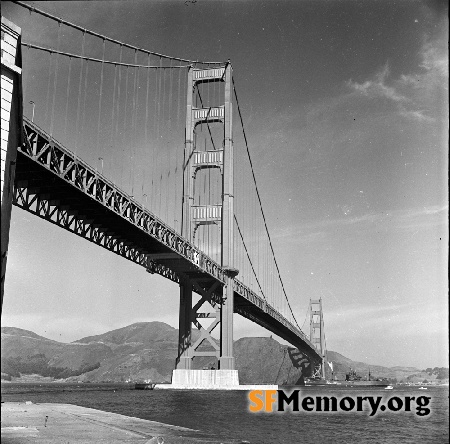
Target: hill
(13,331)
(147,350)
(25,352)
(140,332)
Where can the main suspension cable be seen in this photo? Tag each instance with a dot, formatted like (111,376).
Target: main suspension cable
(248,256)
(93,59)
(84,30)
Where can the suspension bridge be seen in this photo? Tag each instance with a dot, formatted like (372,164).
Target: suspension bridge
(146,155)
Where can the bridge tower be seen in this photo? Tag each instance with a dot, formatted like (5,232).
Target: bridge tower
(11,129)
(195,216)
(317,333)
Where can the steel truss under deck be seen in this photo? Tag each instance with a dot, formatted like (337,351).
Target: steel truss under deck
(54,184)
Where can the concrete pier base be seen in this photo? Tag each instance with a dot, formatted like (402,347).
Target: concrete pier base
(209,380)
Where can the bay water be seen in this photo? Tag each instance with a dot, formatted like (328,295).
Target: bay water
(226,415)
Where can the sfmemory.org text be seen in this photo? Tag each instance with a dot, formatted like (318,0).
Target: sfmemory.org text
(279,401)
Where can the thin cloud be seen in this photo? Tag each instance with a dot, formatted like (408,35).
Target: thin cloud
(434,59)
(397,215)
(377,87)
(416,115)
(412,218)
(390,316)
(412,93)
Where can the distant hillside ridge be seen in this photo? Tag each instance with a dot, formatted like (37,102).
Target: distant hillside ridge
(14,331)
(24,352)
(140,332)
(147,350)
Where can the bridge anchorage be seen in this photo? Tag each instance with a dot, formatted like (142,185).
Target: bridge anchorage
(41,176)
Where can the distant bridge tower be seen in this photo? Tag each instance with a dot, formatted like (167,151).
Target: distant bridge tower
(196,215)
(317,333)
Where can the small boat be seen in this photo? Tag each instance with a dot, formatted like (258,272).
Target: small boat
(315,381)
(144,386)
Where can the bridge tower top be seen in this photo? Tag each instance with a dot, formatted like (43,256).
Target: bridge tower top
(196,215)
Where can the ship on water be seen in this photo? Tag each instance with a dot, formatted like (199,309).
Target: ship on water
(353,379)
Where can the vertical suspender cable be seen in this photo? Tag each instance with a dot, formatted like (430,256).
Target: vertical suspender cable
(167,156)
(79,92)
(146,103)
(170,95)
(100,102)
(173,151)
(159,98)
(155,141)
(164,140)
(133,125)
(67,98)
(133,111)
(170,188)
(55,80)
(112,112)
(47,104)
(177,157)
(207,178)
(124,123)
(155,113)
(179,93)
(136,119)
(160,155)
(83,116)
(146,157)
(118,113)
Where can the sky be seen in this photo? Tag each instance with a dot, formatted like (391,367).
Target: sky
(345,106)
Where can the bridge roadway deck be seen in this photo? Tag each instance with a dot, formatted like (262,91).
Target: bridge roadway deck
(54,184)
